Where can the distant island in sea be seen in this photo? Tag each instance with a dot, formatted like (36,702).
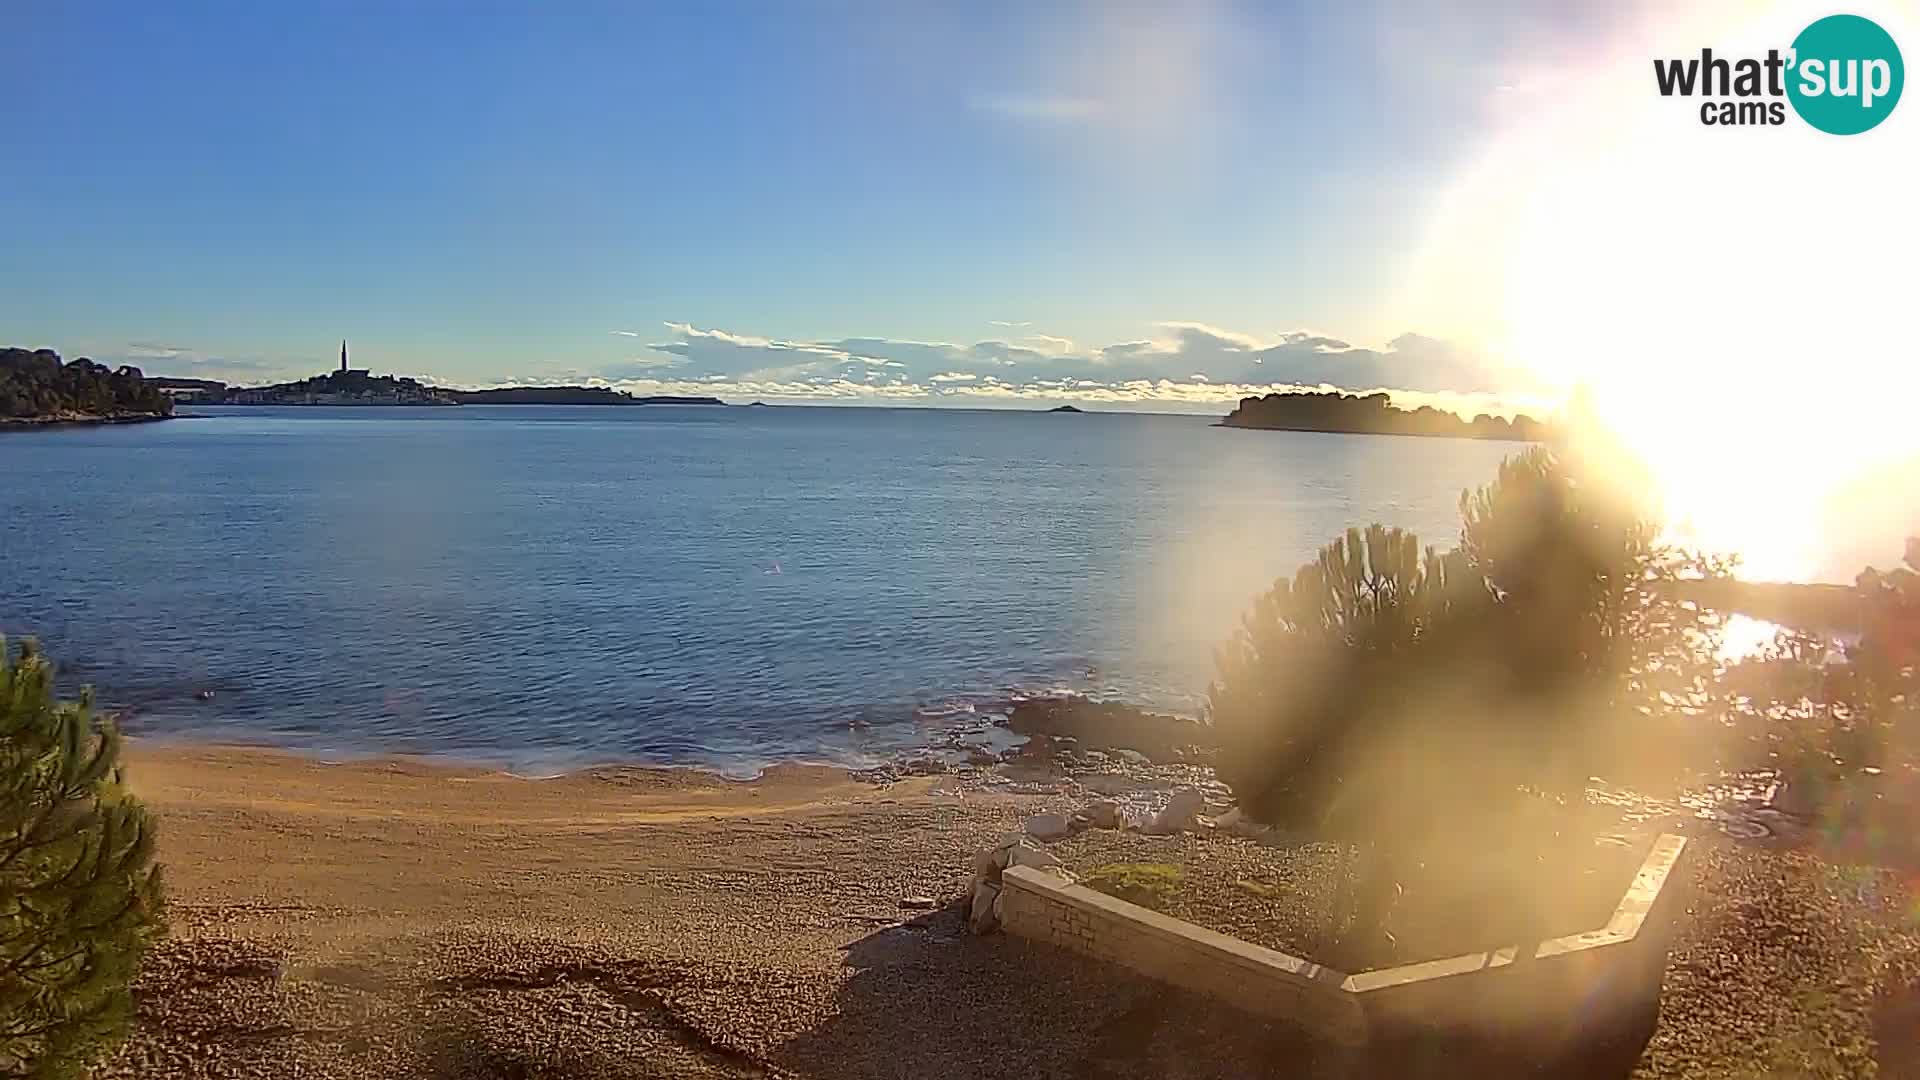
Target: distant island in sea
(347,385)
(1373,414)
(36,388)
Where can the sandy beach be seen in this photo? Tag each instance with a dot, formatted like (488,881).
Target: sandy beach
(413,919)
(399,918)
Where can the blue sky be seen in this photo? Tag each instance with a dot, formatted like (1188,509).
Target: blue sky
(843,200)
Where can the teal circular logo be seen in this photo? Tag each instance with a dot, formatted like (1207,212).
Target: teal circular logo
(1846,74)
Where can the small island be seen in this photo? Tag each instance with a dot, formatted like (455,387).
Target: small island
(37,389)
(1065,408)
(1373,414)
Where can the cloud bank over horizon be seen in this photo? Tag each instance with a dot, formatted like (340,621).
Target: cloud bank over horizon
(1174,366)
(1179,365)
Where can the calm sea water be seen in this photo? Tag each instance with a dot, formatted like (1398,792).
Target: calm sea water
(723,586)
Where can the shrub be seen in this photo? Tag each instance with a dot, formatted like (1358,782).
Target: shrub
(1828,709)
(79,898)
(1151,885)
(1330,652)
(1396,700)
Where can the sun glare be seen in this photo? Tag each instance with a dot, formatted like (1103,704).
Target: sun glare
(1736,302)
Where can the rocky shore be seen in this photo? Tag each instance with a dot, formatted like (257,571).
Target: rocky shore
(1160,737)
(78,419)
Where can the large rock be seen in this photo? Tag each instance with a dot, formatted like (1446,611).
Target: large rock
(1182,813)
(984,914)
(1103,813)
(1048,826)
(1026,855)
(1093,724)
(990,862)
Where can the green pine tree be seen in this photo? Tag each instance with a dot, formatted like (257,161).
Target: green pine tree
(79,895)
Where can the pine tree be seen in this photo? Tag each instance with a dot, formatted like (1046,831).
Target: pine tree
(80,897)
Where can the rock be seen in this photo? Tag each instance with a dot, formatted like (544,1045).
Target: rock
(1230,820)
(1793,798)
(990,862)
(917,903)
(1103,814)
(981,756)
(1027,855)
(1048,826)
(984,915)
(1181,815)
(1156,736)
(1132,757)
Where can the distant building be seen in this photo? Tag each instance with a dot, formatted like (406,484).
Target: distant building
(346,371)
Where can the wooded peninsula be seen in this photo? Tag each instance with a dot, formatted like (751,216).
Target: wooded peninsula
(1373,414)
(36,388)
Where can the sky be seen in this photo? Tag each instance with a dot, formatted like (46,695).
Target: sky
(1151,207)
(482,194)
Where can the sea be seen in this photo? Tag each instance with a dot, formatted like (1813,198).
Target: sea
(727,587)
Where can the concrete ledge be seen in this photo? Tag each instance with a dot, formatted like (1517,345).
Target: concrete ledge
(1597,979)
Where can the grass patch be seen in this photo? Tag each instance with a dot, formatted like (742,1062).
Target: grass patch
(1151,885)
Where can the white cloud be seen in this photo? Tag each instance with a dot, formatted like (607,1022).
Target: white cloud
(625,333)
(1182,365)
(147,350)
(1047,343)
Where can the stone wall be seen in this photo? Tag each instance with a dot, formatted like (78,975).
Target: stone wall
(1041,907)
(1602,985)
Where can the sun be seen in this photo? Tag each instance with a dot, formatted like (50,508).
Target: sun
(1737,303)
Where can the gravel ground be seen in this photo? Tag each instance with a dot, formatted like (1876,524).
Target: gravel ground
(1782,966)
(378,920)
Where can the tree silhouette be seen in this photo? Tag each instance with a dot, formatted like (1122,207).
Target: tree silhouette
(35,384)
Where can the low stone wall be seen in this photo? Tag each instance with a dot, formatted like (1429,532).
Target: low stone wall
(1038,905)
(1600,984)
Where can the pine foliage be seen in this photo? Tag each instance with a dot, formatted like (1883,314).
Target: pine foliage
(80,897)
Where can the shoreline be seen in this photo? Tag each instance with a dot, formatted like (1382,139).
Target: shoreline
(37,423)
(1222,423)
(197,777)
(461,762)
